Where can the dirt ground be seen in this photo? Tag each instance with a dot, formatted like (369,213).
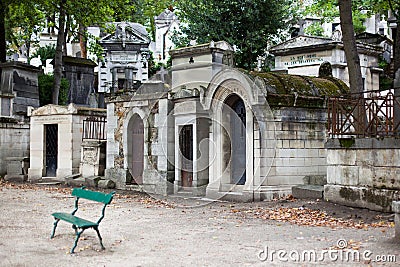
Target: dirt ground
(139,230)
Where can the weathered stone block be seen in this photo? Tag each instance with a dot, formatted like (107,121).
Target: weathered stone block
(92,180)
(105,184)
(78,182)
(363,197)
(308,191)
(15,178)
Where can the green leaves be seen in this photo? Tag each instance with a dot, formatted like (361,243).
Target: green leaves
(248,25)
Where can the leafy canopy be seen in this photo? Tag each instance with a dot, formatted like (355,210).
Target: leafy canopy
(249,25)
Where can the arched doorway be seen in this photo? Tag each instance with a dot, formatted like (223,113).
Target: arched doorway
(137,149)
(236,127)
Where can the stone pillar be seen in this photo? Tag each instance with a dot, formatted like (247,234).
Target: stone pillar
(114,84)
(396,210)
(396,86)
(93,158)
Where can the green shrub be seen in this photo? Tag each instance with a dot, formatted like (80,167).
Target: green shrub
(46,89)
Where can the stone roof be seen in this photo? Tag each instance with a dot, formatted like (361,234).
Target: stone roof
(201,49)
(167,14)
(286,84)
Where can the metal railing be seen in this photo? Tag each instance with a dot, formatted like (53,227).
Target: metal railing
(94,128)
(376,115)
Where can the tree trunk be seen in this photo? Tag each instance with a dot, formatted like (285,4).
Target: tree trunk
(66,37)
(353,65)
(350,47)
(82,41)
(59,54)
(396,56)
(396,78)
(3,45)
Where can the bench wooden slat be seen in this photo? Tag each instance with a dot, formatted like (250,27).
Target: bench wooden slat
(91,195)
(79,222)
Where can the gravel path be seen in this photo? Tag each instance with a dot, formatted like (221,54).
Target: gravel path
(140,231)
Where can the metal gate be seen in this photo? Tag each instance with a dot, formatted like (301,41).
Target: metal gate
(137,150)
(186,148)
(51,132)
(238,143)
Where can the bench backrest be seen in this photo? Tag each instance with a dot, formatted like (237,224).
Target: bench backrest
(94,196)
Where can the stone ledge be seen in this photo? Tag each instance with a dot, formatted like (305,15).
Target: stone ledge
(308,191)
(362,197)
(365,143)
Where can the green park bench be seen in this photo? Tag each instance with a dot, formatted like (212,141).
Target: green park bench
(79,223)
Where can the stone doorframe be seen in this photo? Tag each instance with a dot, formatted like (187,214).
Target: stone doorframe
(127,146)
(219,168)
(251,90)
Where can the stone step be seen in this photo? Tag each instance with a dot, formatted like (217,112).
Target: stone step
(308,191)
(49,181)
(78,182)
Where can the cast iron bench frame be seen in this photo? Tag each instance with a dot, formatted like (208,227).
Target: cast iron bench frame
(79,223)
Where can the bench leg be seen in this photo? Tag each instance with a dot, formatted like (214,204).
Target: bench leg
(101,240)
(78,235)
(54,227)
(75,229)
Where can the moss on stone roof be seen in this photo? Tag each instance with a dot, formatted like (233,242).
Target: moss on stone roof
(286,84)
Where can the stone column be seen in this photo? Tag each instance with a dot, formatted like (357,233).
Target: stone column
(396,108)
(93,158)
(396,210)
(114,84)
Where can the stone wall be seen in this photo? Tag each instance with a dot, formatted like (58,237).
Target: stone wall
(363,172)
(14,140)
(300,139)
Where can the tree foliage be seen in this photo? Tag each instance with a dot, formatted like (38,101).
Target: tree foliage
(45,52)
(249,25)
(45,89)
(328,10)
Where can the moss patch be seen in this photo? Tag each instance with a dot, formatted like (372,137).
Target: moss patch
(346,142)
(278,83)
(380,200)
(349,194)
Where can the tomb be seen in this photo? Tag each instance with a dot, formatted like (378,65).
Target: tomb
(18,90)
(207,129)
(56,137)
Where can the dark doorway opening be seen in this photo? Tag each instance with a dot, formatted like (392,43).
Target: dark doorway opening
(51,133)
(186,149)
(237,121)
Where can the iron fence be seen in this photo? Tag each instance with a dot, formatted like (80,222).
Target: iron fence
(370,114)
(94,128)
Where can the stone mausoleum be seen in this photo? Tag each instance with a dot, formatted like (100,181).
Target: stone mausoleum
(57,141)
(206,128)
(18,90)
(302,55)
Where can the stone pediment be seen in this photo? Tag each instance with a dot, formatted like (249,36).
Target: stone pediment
(51,109)
(302,41)
(127,33)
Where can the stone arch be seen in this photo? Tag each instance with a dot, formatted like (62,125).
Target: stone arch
(230,81)
(224,98)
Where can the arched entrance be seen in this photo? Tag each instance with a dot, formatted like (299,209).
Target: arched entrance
(136,149)
(236,127)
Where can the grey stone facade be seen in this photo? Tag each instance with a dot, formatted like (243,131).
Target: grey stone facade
(18,90)
(364,172)
(80,74)
(216,131)
(65,126)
